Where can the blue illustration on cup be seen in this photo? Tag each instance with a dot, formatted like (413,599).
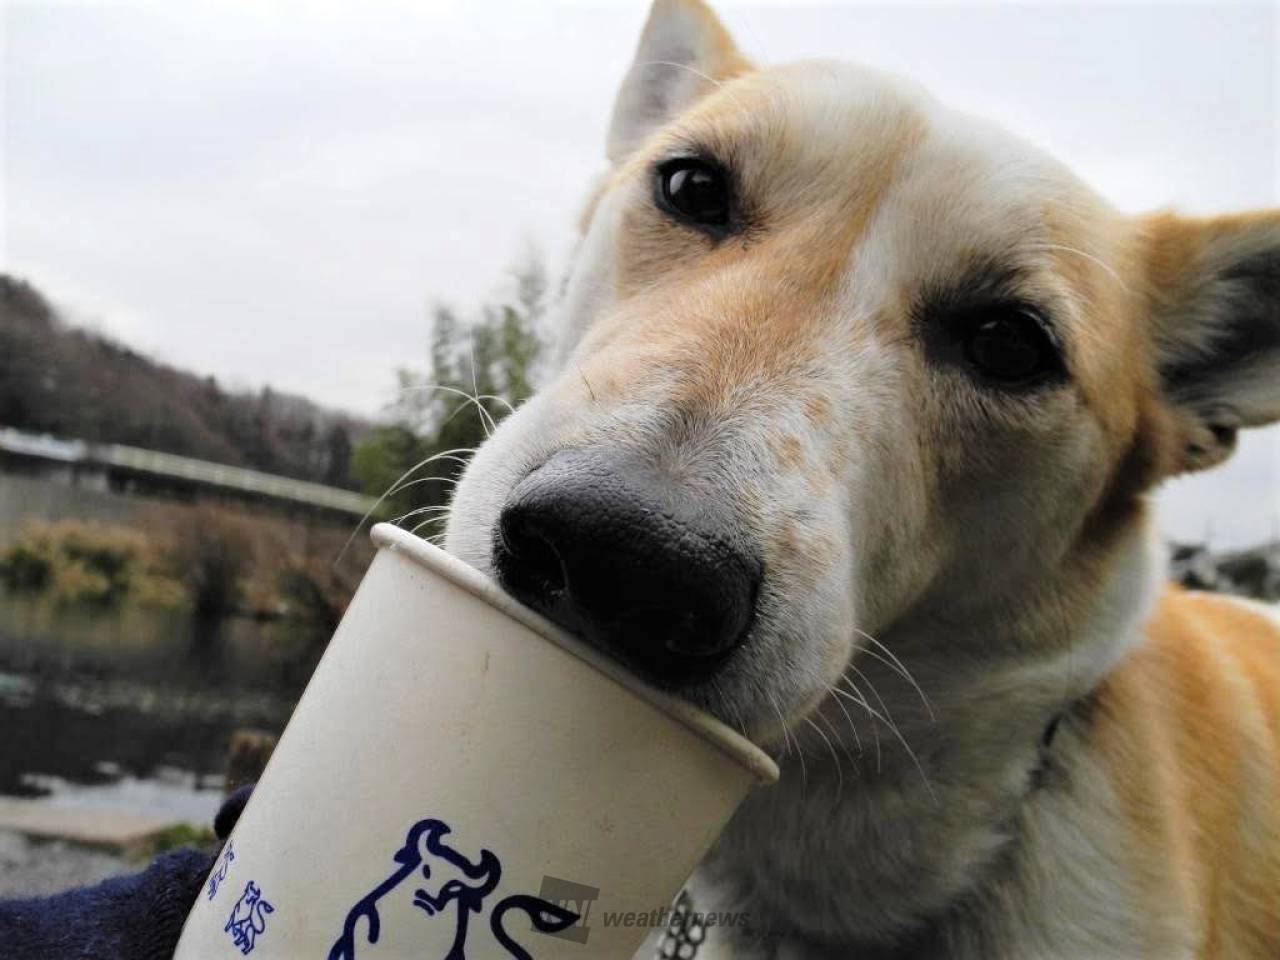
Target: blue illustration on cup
(248,919)
(423,849)
(219,873)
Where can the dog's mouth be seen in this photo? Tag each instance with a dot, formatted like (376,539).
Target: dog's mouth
(620,555)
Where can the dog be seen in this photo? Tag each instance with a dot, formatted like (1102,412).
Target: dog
(857,409)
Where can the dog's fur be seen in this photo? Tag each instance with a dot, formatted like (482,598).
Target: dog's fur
(1096,769)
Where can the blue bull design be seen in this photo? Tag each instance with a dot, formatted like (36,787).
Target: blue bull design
(423,848)
(248,919)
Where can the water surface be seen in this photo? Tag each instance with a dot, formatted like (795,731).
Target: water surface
(134,707)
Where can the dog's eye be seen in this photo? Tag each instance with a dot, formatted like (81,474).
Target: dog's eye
(695,191)
(1010,346)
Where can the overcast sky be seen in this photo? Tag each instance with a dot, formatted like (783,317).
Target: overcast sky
(276,192)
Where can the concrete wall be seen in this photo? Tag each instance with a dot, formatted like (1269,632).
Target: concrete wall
(26,497)
(58,494)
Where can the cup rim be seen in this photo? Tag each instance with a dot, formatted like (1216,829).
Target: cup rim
(741,750)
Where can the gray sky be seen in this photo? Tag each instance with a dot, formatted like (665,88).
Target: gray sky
(275,192)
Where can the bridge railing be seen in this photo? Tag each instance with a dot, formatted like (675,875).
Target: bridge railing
(198,472)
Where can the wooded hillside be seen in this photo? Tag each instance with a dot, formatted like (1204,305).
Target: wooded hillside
(59,379)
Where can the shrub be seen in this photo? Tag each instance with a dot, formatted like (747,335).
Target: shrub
(212,559)
(313,589)
(80,561)
(24,566)
(209,551)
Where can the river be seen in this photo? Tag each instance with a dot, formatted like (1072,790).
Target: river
(133,707)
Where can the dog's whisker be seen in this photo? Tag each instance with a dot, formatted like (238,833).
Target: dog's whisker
(898,666)
(786,733)
(902,740)
(455,456)
(844,746)
(443,509)
(435,537)
(497,399)
(471,398)
(734,719)
(395,487)
(834,756)
(884,707)
(471,401)
(439,518)
(782,727)
(861,700)
(475,391)
(853,727)
(452,481)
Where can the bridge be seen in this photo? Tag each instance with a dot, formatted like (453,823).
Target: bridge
(116,468)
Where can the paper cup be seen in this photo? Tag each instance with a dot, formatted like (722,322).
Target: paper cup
(460,778)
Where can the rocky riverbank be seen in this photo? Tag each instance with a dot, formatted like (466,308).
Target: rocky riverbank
(30,868)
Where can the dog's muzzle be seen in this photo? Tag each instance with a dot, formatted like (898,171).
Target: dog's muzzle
(623,555)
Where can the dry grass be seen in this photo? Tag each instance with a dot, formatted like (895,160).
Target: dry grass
(212,559)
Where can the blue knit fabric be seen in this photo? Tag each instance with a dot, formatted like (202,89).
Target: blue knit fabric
(138,917)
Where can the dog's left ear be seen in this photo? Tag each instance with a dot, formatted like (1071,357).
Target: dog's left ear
(684,52)
(1214,291)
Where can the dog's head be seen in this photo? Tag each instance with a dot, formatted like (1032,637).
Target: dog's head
(838,362)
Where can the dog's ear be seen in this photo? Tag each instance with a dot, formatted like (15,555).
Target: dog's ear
(1213,286)
(684,52)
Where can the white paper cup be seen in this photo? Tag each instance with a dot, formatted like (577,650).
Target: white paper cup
(461,776)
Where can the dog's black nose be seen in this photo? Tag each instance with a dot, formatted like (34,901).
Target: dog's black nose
(619,553)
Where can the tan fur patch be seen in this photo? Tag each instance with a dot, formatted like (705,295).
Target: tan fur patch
(747,308)
(1189,727)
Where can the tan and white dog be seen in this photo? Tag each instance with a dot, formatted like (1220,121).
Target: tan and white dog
(858,409)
